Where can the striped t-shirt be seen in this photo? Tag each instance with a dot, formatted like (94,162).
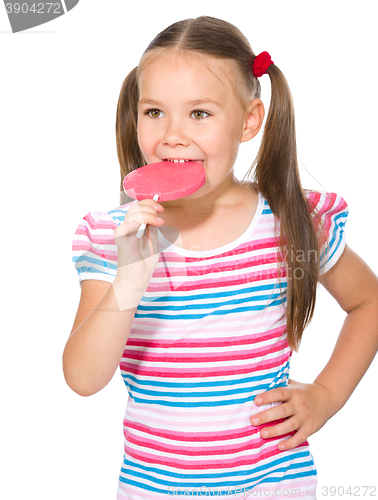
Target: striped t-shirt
(208,336)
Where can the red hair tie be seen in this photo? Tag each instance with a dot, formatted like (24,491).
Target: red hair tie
(261,63)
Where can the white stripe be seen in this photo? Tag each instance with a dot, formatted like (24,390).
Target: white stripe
(64,6)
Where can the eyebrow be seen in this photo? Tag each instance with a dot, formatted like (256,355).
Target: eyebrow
(196,102)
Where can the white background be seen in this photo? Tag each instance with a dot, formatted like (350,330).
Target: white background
(59,88)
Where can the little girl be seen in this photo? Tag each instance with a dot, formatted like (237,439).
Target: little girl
(204,325)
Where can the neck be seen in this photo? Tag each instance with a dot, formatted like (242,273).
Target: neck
(224,195)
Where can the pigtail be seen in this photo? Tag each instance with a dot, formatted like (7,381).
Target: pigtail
(277,177)
(129,154)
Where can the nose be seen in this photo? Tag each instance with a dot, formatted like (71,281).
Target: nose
(174,134)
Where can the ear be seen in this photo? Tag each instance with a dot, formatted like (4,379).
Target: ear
(254,120)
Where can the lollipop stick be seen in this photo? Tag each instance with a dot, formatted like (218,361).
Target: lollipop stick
(143,226)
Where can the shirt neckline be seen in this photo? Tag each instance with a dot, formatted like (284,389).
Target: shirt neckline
(171,247)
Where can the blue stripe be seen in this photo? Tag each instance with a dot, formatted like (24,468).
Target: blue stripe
(94,260)
(201,404)
(202,394)
(217,383)
(210,305)
(210,487)
(324,254)
(210,313)
(201,477)
(294,455)
(214,295)
(86,269)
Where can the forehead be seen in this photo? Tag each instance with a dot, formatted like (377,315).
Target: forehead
(163,71)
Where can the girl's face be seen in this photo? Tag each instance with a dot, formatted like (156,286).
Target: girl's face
(189,112)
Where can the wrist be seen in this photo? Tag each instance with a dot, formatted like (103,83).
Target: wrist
(331,397)
(127,296)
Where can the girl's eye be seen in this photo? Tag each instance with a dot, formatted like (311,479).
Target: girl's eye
(154,113)
(199,114)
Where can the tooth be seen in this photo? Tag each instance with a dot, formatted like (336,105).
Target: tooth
(176,161)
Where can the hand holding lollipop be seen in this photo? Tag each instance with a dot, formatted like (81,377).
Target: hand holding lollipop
(164,181)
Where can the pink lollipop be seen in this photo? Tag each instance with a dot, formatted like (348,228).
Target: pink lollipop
(164,181)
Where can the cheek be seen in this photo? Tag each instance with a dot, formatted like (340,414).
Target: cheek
(225,144)
(144,138)
(224,137)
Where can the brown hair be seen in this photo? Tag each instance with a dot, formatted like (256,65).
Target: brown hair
(276,173)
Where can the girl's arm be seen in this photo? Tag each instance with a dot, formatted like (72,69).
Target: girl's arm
(355,287)
(99,335)
(307,407)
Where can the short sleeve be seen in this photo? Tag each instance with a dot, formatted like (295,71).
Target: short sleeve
(94,251)
(332,211)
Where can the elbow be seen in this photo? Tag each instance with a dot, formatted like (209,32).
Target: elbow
(78,389)
(81,391)
(75,382)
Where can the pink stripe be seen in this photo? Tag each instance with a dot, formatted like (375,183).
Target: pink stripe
(210,416)
(205,414)
(100,223)
(216,282)
(190,436)
(330,219)
(135,493)
(201,450)
(204,372)
(206,356)
(206,464)
(108,255)
(322,203)
(210,342)
(200,437)
(245,247)
(96,239)
(85,245)
(231,265)
(178,324)
(172,335)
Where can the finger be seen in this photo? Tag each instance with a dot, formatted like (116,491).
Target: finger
(292,442)
(286,426)
(149,240)
(278,412)
(144,206)
(125,228)
(149,203)
(144,218)
(153,240)
(274,395)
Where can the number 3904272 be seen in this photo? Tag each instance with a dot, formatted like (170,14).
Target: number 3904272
(36,8)
(352,491)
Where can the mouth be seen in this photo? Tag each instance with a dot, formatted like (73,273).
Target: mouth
(182,160)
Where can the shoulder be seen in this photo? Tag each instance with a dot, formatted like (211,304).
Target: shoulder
(324,202)
(94,251)
(329,212)
(96,228)
(103,221)
(118,214)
